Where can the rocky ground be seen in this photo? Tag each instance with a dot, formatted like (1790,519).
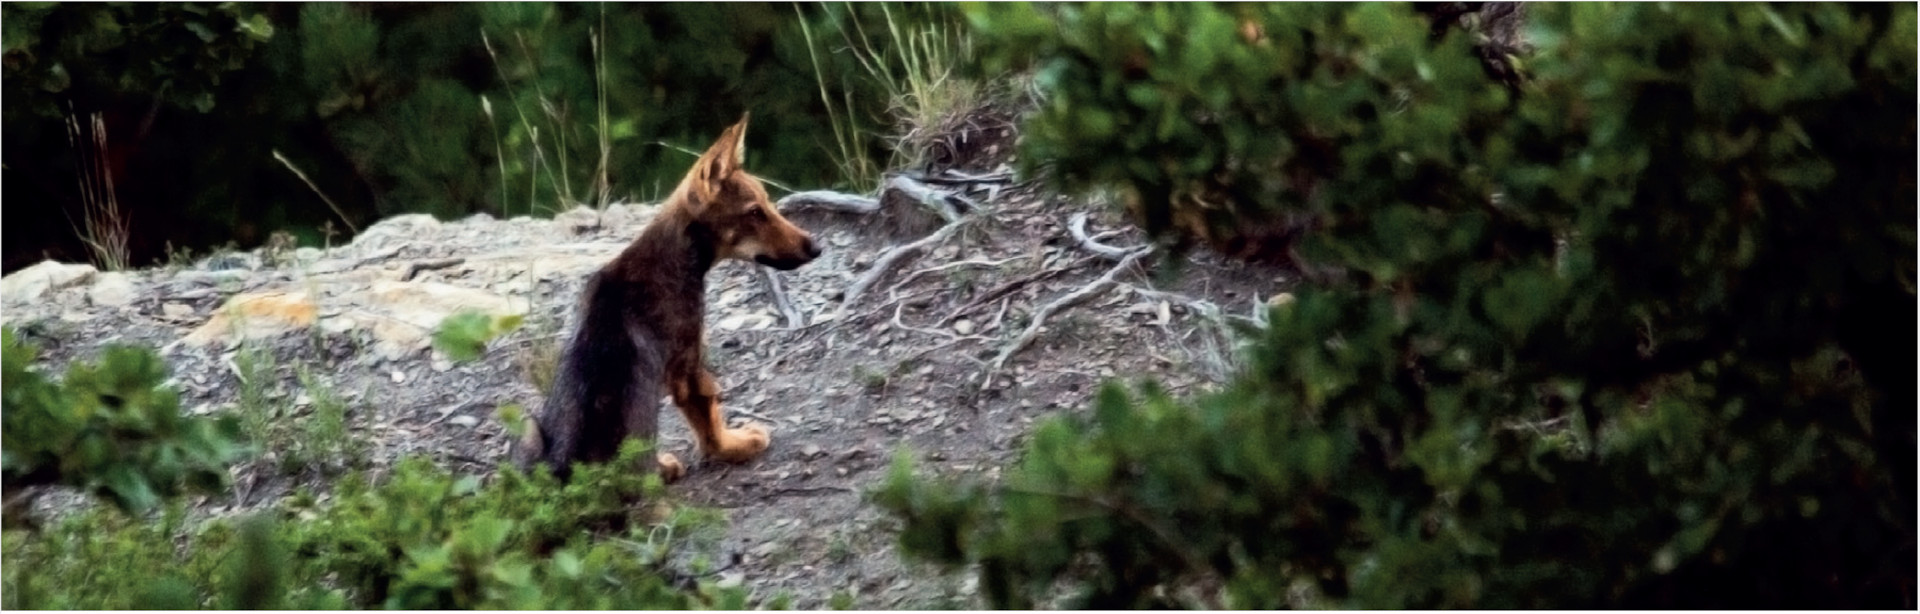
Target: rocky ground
(862,365)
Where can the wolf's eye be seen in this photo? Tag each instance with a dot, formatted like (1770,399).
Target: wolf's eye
(756,214)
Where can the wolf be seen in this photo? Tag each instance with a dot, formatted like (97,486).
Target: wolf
(641,329)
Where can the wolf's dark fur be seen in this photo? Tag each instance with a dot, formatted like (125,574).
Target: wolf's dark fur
(641,324)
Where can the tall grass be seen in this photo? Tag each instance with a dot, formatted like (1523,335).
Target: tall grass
(912,61)
(103,227)
(557,125)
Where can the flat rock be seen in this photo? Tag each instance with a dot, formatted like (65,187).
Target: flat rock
(256,315)
(36,281)
(404,314)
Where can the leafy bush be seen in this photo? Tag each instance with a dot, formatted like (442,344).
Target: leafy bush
(423,539)
(1637,338)
(426,540)
(111,428)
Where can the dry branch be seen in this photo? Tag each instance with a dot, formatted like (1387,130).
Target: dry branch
(778,293)
(893,258)
(954,176)
(430,265)
(828,200)
(947,205)
(894,291)
(986,298)
(1072,298)
(1078,227)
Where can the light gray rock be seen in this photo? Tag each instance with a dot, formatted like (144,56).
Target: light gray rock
(112,289)
(34,282)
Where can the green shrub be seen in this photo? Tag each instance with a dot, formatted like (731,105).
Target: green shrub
(1637,338)
(111,428)
(426,540)
(423,539)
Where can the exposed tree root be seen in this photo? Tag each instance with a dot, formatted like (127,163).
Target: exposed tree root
(893,258)
(1070,299)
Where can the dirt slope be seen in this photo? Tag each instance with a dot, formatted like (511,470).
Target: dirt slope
(902,367)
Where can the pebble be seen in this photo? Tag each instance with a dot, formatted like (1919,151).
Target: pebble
(464,420)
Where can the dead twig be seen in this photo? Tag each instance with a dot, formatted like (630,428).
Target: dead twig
(986,298)
(947,205)
(430,265)
(741,412)
(316,190)
(893,258)
(778,293)
(1072,298)
(954,176)
(806,491)
(1078,227)
(917,354)
(930,331)
(828,200)
(894,291)
(999,317)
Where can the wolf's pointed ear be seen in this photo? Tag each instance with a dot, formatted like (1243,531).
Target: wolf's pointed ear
(727,154)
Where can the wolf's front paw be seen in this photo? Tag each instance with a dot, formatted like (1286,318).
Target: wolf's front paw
(742,444)
(670,467)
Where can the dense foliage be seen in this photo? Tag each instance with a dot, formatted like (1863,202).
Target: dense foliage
(419,538)
(422,539)
(450,109)
(1635,333)
(111,428)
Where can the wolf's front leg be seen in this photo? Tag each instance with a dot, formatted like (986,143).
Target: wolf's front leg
(698,398)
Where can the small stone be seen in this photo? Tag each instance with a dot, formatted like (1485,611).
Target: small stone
(731,579)
(464,420)
(302,400)
(113,289)
(1281,300)
(809,451)
(963,326)
(176,311)
(441,365)
(399,376)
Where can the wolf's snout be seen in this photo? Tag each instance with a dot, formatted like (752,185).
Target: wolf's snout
(812,248)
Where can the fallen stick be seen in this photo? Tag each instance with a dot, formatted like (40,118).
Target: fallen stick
(1040,317)
(986,298)
(828,200)
(1078,227)
(430,265)
(895,289)
(893,258)
(945,204)
(778,293)
(951,176)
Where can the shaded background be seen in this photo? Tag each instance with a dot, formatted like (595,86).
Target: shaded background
(384,108)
